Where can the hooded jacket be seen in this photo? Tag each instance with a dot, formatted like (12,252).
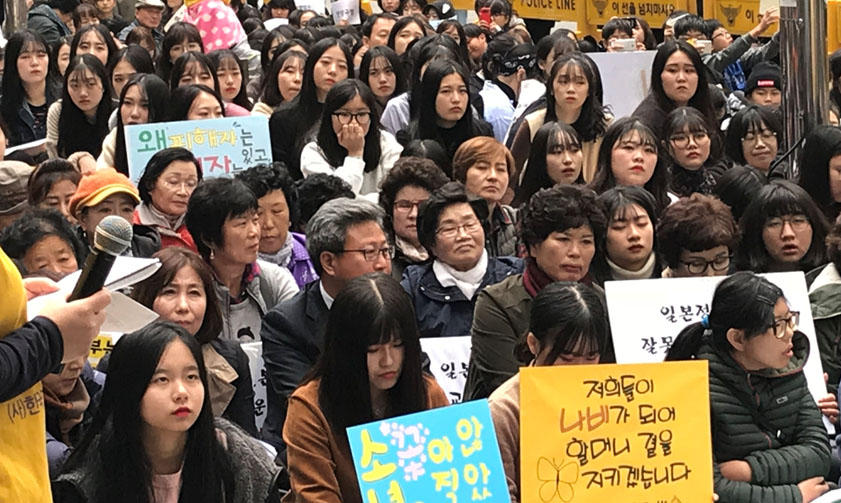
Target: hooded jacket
(43,19)
(825,298)
(769,419)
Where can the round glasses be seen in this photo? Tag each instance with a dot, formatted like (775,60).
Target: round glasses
(699,266)
(780,326)
(361,118)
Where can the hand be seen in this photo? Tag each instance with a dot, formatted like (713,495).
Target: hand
(79,322)
(736,470)
(484,24)
(352,137)
(771,16)
(812,488)
(87,164)
(36,287)
(828,404)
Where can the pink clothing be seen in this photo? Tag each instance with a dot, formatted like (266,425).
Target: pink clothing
(217,24)
(166,487)
(234,110)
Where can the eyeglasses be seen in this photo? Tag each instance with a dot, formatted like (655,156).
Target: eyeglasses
(372,254)
(766,135)
(722,34)
(451,231)
(681,140)
(362,118)
(797,222)
(699,266)
(406,206)
(790,322)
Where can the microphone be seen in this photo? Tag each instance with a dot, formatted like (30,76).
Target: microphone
(111,239)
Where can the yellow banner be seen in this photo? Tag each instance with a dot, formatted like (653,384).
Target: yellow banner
(654,12)
(738,16)
(624,433)
(557,10)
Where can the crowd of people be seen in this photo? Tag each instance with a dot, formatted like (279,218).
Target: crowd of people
(430,178)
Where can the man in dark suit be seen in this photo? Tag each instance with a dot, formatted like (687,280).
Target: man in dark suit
(345,239)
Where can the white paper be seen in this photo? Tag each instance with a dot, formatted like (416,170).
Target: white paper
(126,271)
(315,5)
(449,358)
(829,497)
(646,315)
(626,77)
(345,9)
(124,315)
(26,146)
(254,352)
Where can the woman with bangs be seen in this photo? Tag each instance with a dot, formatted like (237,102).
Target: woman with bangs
(51,186)
(691,148)
(128,62)
(574,97)
(181,37)
(406,30)
(197,68)
(628,156)
(143,100)
(282,82)
(678,78)
(561,229)
(782,230)
(232,74)
(567,326)
(28,88)
(296,123)
(350,143)
(94,39)
(556,157)
(384,73)
(444,112)
(78,122)
(370,370)
(629,243)
(753,139)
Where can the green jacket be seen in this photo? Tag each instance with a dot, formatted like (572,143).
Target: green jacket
(825,298)
(786,446)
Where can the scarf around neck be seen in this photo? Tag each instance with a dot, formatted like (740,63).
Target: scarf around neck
(282,256)
(466,281)
(534,279)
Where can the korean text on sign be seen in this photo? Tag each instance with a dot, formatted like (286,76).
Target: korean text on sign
(616,433)
(222,146)
(445,455)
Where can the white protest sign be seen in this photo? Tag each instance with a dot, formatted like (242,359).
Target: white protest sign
(646,316)
(345,9)
(254,352)
(315,5)
(625,79)
(449,357)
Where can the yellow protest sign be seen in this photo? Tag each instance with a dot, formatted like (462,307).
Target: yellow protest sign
(654,12)
(629,433)
(557,10)
(738,16)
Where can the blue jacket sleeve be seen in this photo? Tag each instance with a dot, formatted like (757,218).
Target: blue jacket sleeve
(27,355)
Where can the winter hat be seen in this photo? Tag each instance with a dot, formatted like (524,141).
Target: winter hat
(98,186)
(764,75)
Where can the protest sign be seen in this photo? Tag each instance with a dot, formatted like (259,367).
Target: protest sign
(646,316)
(447,454)
(597,433)
(101,345)
(345,9)
(630,76)
(254,352)
(222,146)
(448,361)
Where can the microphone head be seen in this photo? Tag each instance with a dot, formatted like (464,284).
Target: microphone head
(113,235)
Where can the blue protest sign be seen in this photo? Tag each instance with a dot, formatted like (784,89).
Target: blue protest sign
(222,146)
(448,454)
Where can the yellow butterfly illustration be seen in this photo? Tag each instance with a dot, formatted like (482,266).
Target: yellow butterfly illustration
(557,479)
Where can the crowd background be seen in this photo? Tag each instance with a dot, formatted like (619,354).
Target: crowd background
(430,178)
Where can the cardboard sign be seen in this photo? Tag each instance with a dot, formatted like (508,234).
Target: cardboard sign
(646,315)
(222,146)
(254,352)
(448,454)
(449,358)
(630,433)
(625,77)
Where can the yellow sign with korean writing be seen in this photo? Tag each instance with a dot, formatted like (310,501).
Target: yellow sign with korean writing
(557,10)
(737,16)
(654,12)
(629,433)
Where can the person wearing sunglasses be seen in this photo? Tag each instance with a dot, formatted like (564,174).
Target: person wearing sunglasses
(769,443)
(443,292)
(697,236)
(350,143)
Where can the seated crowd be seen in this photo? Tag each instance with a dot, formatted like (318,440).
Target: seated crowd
(462,180)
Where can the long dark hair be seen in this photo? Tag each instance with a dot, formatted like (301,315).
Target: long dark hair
(156,93)
(219,55)
(177,33)
(822,144)
(566,316)
(339,95)
(387,53)
(271,94)
(778,198)
(182,99)
(77,133)
(605,179)
(547,139)
(370,309)
(742,301)
(180,67)
(701,99)
(113,444)
(13,94)
(592,119)
(134,55)
(103,33)
(750,119)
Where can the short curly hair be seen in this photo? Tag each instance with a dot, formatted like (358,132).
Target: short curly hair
(265,178)
(316,190)
(35,225)
(559,208)
(429,212)
(409,171)
(695,223)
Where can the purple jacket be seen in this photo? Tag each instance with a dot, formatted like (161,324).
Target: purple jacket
(300,265)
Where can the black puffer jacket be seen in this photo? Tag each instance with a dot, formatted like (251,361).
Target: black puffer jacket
(770,420)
